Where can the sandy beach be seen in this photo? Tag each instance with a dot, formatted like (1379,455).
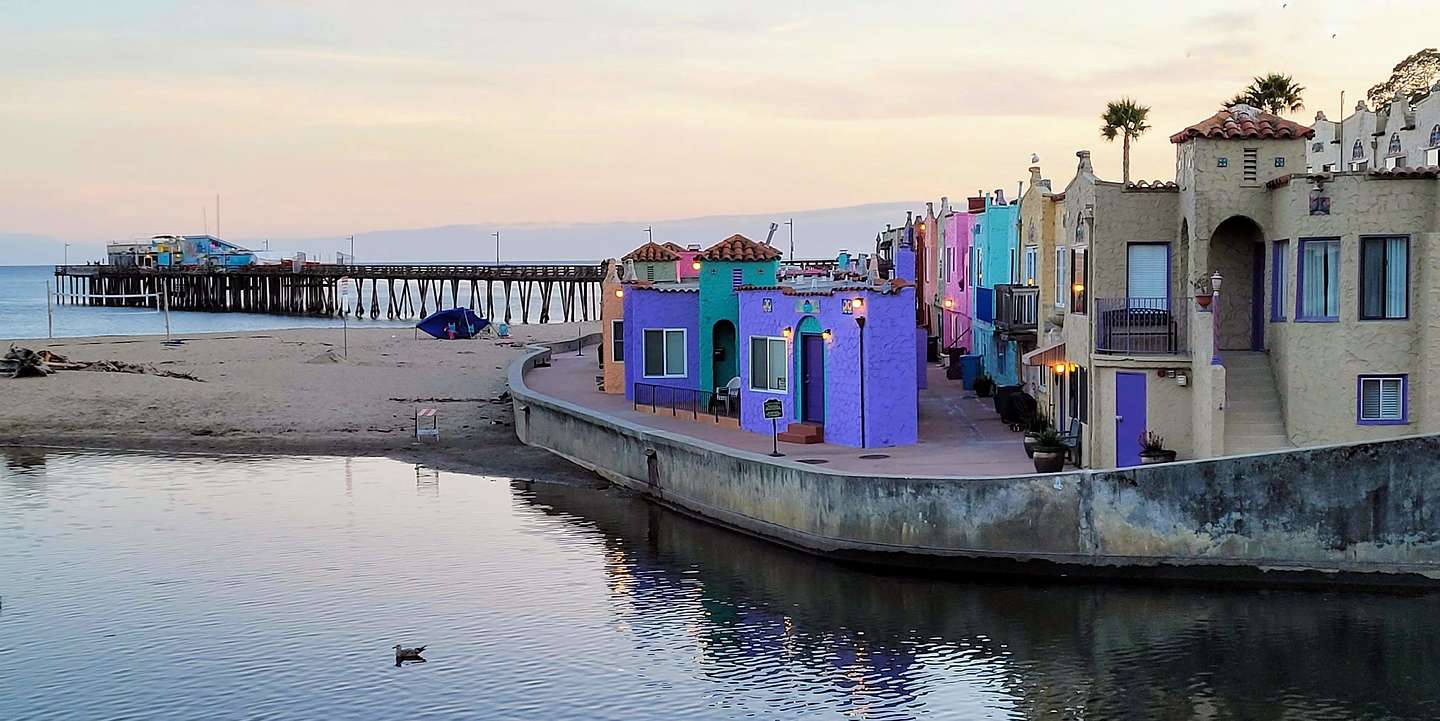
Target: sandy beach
(291,392)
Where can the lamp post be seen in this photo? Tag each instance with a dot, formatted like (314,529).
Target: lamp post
(344,320)
(497,248)
(649,234)
(352,250)
(1215,279)
(791,224)
(67,255)
(860,323)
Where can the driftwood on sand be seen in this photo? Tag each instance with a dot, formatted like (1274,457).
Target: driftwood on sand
(24,363)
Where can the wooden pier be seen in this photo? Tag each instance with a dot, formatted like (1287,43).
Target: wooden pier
(561,292)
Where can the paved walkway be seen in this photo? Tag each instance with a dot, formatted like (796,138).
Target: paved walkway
(960,435)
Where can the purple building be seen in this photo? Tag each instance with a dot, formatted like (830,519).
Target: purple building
(803,346)
(661,342)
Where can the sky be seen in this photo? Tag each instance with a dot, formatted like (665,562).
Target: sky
(330,117)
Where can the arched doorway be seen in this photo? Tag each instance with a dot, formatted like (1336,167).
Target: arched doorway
(723,364)
(1237,250)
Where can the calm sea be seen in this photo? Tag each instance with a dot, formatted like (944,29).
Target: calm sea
(149,587)
(23,315)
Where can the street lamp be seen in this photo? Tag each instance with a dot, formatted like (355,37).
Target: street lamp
(497,248)
(1215,280)
(67,254)
(860,323)
(791,224)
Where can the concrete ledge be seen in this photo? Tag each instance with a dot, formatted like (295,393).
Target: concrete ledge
(1337,515)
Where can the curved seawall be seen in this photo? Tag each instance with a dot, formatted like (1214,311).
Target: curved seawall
(1349,514)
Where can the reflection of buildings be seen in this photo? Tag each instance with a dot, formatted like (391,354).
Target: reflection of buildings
(1049,652)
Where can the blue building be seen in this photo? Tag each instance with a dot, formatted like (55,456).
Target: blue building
(994,261)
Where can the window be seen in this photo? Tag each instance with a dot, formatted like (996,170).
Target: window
(1317,147)
(665,353)
(1435,136)
(617,341)
(1079,280)
(1319,291)
(1030,263)
(1395,161)
(1382,401)
(1384,278)
(1250,164)
(1394,144)
(1148,273)
(1432,156)
(1060,291)
(768,364)
(1279,274)
(979,266)
(1357,152)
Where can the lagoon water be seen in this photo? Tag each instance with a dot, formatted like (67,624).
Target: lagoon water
(143,587)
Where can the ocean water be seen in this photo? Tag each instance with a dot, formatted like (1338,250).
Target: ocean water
(138,586)
(23,312)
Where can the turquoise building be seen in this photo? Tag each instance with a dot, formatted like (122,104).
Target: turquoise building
(725,266)
(994,260)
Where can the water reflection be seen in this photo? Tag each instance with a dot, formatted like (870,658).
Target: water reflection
(1047,651)
(278,587)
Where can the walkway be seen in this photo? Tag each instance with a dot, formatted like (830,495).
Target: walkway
(960,435)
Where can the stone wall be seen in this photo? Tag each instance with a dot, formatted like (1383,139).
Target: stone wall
(1338,514)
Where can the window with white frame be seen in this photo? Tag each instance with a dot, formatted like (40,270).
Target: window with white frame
(1148,274)
(1060,290)
(664,353)
(769,367)
(1319,280)
(617,341)
(1384,278)
(1031,256)
(1382,400)
(1435,136)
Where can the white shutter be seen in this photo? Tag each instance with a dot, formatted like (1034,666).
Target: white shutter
(1382,399)
(1149,270)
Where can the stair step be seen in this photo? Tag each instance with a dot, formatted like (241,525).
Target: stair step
(802,433)
(1273,428)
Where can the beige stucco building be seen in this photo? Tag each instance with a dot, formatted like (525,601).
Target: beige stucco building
(1317,333)
(1405,133)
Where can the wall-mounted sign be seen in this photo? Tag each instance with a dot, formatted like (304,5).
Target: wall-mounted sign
(807,306)
(847,307)
(766,305)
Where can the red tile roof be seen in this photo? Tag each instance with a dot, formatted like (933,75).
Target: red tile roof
(652,253)
(738,247)
(1243,122)
(1158,185)
(1424,171)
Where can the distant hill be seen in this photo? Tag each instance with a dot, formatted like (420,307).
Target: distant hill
(818,233)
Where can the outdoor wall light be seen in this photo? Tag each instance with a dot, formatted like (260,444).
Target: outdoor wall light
(858,304)
(1059,369)
(949,303)
(827,335)
(1074,368)
(619,293)
(788,332)
(1079,287)
(1215,281)
(695,265)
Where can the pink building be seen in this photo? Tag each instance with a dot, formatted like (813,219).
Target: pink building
(686,265)
(955,292)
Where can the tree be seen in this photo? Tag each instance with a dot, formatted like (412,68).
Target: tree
(1412,76)
(1273,93)
(1126,118)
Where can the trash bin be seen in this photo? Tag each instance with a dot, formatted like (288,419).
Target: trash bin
(952,367)
(1002,394)
(932,349)
(969,366)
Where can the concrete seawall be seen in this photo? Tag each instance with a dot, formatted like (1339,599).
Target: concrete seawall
(1350,514)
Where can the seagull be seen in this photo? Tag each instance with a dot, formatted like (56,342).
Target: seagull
(408,654)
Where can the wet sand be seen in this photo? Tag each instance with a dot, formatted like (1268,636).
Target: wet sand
(292,392)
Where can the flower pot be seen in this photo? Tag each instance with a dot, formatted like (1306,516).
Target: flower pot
(1030,440)
(983,391)
(1203,300)
(1049,460)
(1150,457)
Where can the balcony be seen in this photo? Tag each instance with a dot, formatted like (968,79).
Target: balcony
(1017,310)
(1141,326)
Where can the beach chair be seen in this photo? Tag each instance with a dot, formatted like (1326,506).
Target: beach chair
(727,395)
(427,424)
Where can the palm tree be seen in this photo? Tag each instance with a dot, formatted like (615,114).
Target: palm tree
(1126,118)
(1273,93)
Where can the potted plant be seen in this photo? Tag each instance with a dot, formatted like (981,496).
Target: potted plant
(984,386)
(1152,449)
(1037,425)
(1204,291)
(1049,452)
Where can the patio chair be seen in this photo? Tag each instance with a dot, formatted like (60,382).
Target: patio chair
(1071,440)
(729,395)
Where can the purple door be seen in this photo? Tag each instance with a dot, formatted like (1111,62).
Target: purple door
(1257,298)
(1129,417)
(812,378)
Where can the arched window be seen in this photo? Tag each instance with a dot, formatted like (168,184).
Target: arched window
(1394,144)
(1435,136)
(1359,151)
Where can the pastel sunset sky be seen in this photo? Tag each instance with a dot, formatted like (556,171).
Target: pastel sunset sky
(316,117)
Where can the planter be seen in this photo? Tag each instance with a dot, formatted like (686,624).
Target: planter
(984,391)
(1049,460)
(1203,300)
(1150,457)
(1030,440)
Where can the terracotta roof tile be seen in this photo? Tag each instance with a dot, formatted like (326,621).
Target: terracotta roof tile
(739,248)
(1153,186)
(652,253)
(1424,171)
(1243,122)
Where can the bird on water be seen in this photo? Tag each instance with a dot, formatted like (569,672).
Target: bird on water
(408,654)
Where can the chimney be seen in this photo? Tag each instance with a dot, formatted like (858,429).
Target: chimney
(976,203)
(929,211)
(1085,166)
(944,204)
(999,196)
(1034,175)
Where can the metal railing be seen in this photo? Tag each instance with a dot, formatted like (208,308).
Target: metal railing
(1017,308)
(685,401)
(1141,326)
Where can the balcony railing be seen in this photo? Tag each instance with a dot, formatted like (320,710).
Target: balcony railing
(1141,326)
(685,401)
(1017,308)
